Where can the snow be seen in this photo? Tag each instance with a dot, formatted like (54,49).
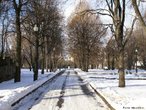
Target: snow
(131,97)
(51,96)
(66,93)
(10,92)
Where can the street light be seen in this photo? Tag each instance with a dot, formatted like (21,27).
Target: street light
(35,77)
(35,28)
(136,51)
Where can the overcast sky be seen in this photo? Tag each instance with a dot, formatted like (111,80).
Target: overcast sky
(69,5)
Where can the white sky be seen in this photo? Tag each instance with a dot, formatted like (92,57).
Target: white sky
(69,5)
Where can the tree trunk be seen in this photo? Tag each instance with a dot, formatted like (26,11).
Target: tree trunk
(50,62)
(2,43)
(47,63)
(121,68)
(46,53)
(87,60)
(121,46)
(17,75)
(36,58)
(31,58)
(108,61)
(113,62)
(83,63)
(43,61)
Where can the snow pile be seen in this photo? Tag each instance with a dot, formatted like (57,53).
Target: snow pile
(10,92)
(132,97)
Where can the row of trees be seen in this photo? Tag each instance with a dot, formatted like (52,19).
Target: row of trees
(134,51)
(31,33)
(85,32)
(116,10)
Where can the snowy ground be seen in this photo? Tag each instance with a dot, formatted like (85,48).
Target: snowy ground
(65,92)
(132,97)
(68,92)
(11,92)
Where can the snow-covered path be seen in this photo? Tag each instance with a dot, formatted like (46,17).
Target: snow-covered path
(69,92)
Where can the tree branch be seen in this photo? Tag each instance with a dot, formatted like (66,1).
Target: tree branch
(136,9)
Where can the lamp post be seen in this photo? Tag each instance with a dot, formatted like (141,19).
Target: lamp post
(136,51)
(36,56)
(53,59)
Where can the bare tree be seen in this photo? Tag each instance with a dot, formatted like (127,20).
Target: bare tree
(49,31)
(4,28)
(18,5)
(140,44)
(135,4)
(116,10)
(20,20)
(141,18)
(85,32)
(111,53)
(130,52)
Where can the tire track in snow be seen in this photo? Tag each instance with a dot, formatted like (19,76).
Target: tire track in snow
(35,95)
(61,100)
(52,95)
